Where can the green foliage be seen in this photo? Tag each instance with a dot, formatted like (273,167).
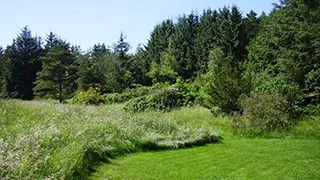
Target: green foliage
(224,83)
(159,41)
(183,41)
(24,62)
(313,82)
(126,95)
(262,113)
(166,98)
(104,73)
(286,49)
(91,96)
(166,71)
(57,73)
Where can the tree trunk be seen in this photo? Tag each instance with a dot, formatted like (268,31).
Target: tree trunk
(60,91)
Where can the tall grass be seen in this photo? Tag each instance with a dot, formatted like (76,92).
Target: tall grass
(42,140)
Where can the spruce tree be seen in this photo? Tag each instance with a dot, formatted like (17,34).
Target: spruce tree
(24,62)
(159,40)
(121,49)
(183,42)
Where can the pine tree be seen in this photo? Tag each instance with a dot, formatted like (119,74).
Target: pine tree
(57,69)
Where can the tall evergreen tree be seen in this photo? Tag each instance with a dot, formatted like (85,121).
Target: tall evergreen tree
(183,45)
(159,40)
(231,34)
(251,25)
(140,67)
(99,50)
(51,40)
(121,49)
(206,38)
(57,69)
(24,61)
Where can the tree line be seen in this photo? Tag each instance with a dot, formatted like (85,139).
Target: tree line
(232,53)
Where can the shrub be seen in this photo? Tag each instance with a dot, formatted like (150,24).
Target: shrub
(91,96)
(126,95)
(166,98)
(262,113)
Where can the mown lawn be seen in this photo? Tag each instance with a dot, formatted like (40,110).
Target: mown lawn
(232,159)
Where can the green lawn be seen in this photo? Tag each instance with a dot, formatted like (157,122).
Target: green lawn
(233,159)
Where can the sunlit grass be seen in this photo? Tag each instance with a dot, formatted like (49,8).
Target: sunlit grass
(232,159)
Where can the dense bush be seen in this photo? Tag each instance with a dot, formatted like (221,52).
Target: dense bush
(126,95)
(91,96)
(262,113)
(164,97)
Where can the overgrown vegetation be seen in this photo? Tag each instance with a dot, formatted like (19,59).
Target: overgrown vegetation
(40,140)
(262,71)
(262,113)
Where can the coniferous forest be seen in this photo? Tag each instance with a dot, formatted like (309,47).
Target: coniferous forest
(221,59)
(261,70)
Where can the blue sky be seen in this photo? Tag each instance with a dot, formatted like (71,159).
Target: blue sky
(88,22)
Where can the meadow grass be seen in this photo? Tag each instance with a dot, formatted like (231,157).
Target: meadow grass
(232,159)
(43,140)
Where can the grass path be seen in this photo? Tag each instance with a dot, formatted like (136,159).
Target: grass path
(233,159)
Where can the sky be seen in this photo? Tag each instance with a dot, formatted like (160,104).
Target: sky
(88,22)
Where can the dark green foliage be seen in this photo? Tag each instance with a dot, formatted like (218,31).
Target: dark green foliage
(51,40)
(121,49)
(24,62)
(287,49)
(183,42)
(102,72)
(57,73)
(262,113)
(159,40)
(224,83)
(99,50)
(251,26)
(206,38)
(166,71)
(140,67)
